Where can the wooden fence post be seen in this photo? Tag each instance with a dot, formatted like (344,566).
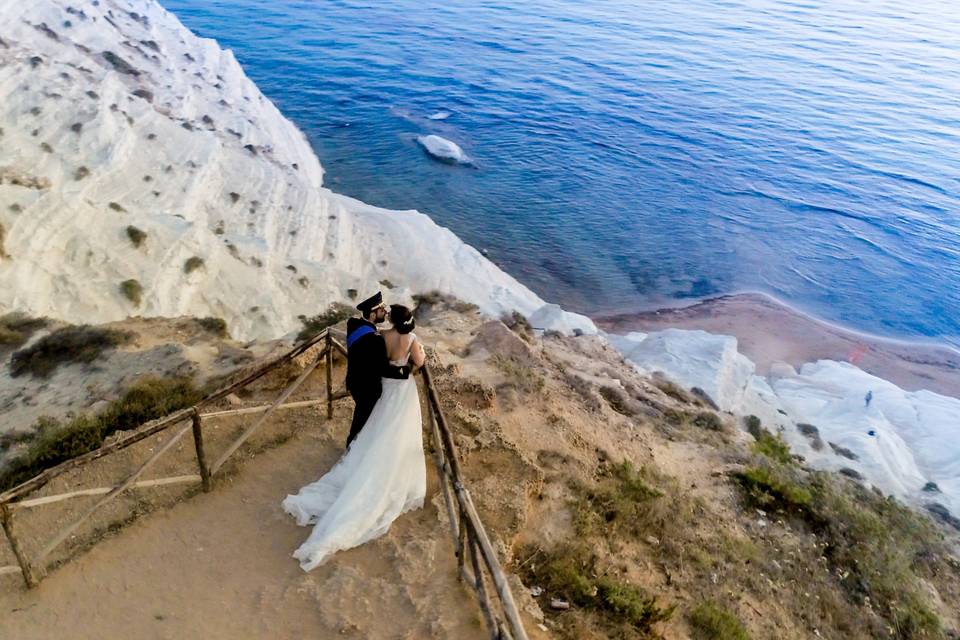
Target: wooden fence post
(329,378)
(201,455)
(26,569)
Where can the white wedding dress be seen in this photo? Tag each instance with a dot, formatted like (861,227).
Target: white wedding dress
(382,475)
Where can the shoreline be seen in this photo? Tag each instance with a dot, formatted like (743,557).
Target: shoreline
(768,331)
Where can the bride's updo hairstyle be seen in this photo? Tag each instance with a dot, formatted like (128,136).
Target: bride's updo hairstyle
(401,318)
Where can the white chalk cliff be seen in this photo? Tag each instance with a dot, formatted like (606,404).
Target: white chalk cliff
(904,443)
(115,116)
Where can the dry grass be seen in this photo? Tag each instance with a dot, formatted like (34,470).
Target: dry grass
(335,314)
(55,442)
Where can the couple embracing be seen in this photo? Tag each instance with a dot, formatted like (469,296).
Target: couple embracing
(382,474)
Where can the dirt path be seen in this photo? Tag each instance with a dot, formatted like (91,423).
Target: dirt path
(218,565)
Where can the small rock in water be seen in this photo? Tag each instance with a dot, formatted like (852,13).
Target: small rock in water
(559,604)
(439,115)
(444,150)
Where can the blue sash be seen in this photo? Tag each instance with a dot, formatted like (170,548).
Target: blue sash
(358,333)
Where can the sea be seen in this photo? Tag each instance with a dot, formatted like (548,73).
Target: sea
(630,155)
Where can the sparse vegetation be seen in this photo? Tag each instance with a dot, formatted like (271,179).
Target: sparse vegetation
(192,264)
(772,446)
(55,442)
(672,389)
(81,173)
(136,235)
(520,375)
(877,547)
(708,420)
(336,313)
(775,488)
(216,326)
(812,434)
(132,291)
(753,425)
(116,206)
(45,147)
(427,301)
(518,323)
(72,344)
(620,503)
(3,234)
(16,328)
(574,573)
(303,281)
(76,127)
(386,284)
(711,622)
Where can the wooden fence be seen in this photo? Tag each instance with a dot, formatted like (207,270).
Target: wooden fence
(469,536)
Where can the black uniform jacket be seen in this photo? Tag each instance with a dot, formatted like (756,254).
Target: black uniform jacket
(366,360)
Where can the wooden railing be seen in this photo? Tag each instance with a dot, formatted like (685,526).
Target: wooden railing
(34,569)
(470,539)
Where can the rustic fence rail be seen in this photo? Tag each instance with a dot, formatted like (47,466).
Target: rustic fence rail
(470,539)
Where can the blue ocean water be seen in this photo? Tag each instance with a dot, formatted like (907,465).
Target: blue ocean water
(635,154)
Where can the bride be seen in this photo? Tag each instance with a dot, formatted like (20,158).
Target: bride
(383,473)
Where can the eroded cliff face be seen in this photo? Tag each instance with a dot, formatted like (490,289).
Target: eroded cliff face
(134,152)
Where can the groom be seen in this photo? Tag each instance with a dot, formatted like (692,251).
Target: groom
(366,358)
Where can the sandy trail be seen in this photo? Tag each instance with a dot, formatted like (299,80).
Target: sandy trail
(218,565)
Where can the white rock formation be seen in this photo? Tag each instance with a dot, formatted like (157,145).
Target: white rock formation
(443,149)
(115,119)
(901,440)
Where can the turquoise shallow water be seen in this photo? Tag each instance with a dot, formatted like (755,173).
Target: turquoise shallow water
(636,154)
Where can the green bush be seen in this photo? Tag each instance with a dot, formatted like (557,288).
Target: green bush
(571,572)
(708,420)
(16,328)
(711,622)
(216,326)
(136,235)
(772,446)
(55,442)
(753,424)
(771,487)
(335,314)
(132,290)
(192,264)
(621,501)
(74,344)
